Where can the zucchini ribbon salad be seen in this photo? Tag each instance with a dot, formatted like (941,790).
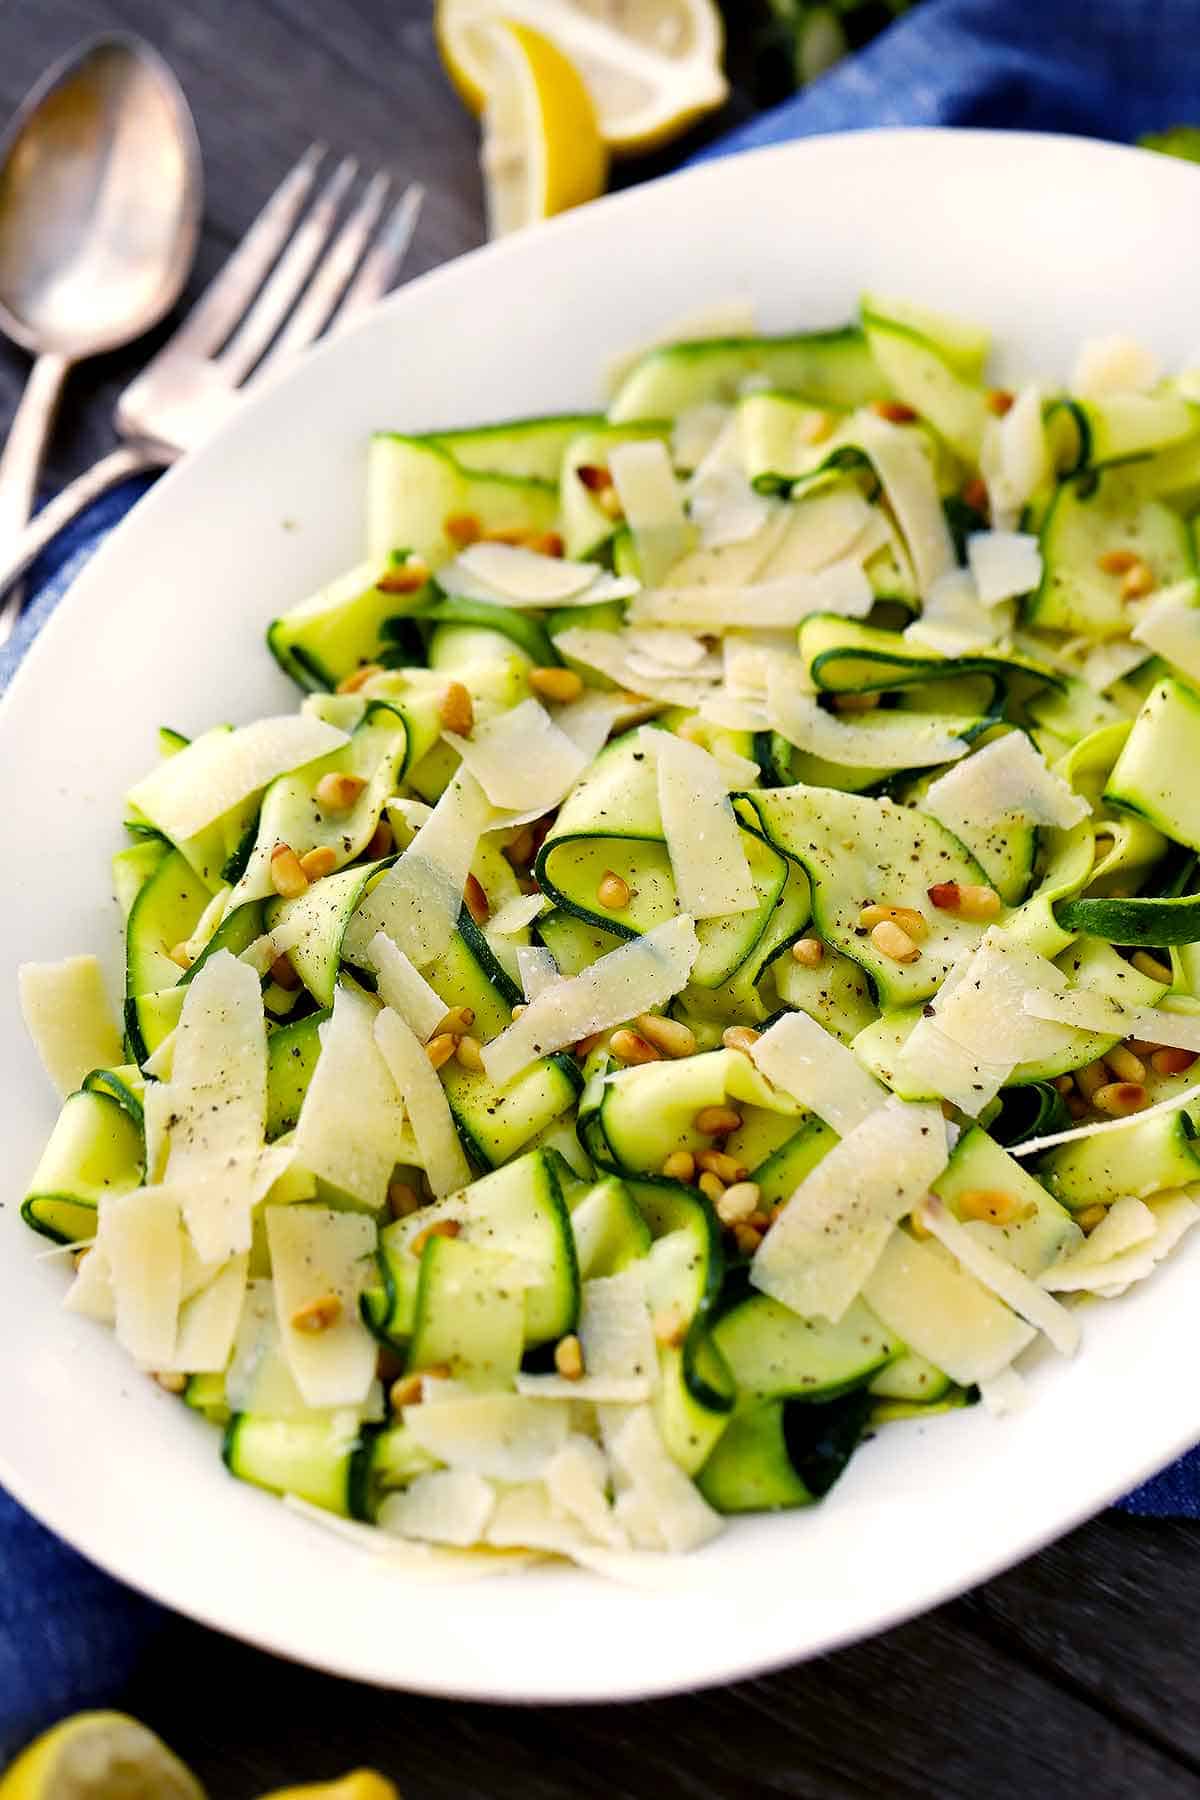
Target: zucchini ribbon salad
(710,968)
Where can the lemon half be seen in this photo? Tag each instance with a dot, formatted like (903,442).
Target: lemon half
(99,1756)
(542,150)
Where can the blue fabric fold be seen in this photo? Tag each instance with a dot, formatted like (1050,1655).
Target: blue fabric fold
(70,1636)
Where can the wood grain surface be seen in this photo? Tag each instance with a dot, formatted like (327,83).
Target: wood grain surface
(1075,1674)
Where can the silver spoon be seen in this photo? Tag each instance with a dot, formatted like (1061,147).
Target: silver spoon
(100,204)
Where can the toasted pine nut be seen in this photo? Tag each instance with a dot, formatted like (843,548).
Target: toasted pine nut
(1120,1098)
(945,895)
(747,1239)
(337,793)
(462,529)
(469,1052)
(907,917)
(999,401)
(740,1037)
(284,975)
(975,494)
(808,952)
(456,710)
(171,1380)
(1063,1084)
(1124,1064)
(726,1168)
(1170,1061)
(1090,1217)
(992,1205)
(670,1036)
(560,685)
(358,678)
(383,840)
(547,543)
(612,892)
(593,476)
(679,1166)
(970,900)
(439,1050)
(609,502)
(892,942)
(1138,582)
(407,1390)
(520,850)
(476,900)
(319,862)
(630,1047)
(1117,562)
(711,1186)
(456,1021)
(287,875)
(1151,967)
(895,412)
(408,578)
(855,703)
(585,1046)
(815,428)
(402,1199)
(1091,1078)
(318,1314)
(716,1121)
(568,1357)
(738,1202)
(670,1327)
(1076,1105)
(181,956)
(447,1228)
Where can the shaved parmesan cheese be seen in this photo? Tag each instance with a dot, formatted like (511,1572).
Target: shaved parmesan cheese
(930,1302)
(1032,1146)
(537,968)
(1114,364)
(351,1132)
(809,1063)
(1175,1212)
(732,712)
(841,587)
(1005,564)
(589,720)
(404,988)
(665,1510)
(521,759)
(90,1293)
(196,785)
(70,1018)
(911,492)
(615,1332)
(652,503)
(725,507)
(704,840)
(1004,1393)
(503,1437)
(208,1321)
(418,900)
(954,619)
(424,1097)
(417,1562)
(1005,782)
(577,1486)
(608,652)
(1171,628)
(1029,1301)
(820,1250)
(679,652)
(1128,1223)
(1014,458)
(156,1117)
(142,1240)
(445,1506)
(1088,1010)
(643,974)
(1103,665)
(861,745)
(823,528)
(598,1390)
(317,1253)
(524,576)
(515,915)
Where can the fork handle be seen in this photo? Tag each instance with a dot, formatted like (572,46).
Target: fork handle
(128,459)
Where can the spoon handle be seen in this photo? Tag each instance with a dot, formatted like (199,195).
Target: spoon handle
(18,552)
(21,460)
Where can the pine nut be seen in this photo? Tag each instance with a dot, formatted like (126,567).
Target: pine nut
(670,1327)
(999,401)
(456,710)
(1120,1098)
(469,1052)
(593,477)
(1117,562)
(1151,967)
(561,685)
(319,862)
(181,956)
(317,1315)
(815,428)
(855,703)
(586,1045)
(907,917)
(337,793)
(716,1121)
(1138,582)
(518,1009)
(727,1169)
(462,529)
(1063,1084)
(670,1036)
(894,943)
(358,678)
(710,1186)
(945,895)
(548,543)
(1124,1064)
(808,952)
(568,1358)
(520,850)
(747,1239)
(991,1205)
(917,1225)
(738,1202)
(406,1391)
(1090,1217)
(403,1200)
(439,1050)
(383,840)
(612,892)
(447,1228)
(171,1381)
(456,1021)
(284,975)
(975,494)
(679,1166)
(287,875)
(740,1037)
(1091,1078)
(1170,1061)
(895,412)
(1076,1106)
(408,578)
(629,1047)
(476,900)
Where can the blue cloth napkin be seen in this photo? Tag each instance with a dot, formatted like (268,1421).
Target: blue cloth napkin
(69,1636)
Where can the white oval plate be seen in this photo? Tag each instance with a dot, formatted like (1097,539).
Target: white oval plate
(1047,240)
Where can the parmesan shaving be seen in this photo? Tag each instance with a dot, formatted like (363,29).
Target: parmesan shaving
(1029,1301)
(403,988)
(954,619)
(515,915)
(1005,782)
(823,528)
(519,576)
(608,652)
(1171,628)
(862,745)
(70,1018)
(652,504)
(208,1322)
(577,1485)
(704,840)
(418,900)
(1087,1010)
(1005,564)
(141,1237)
(1127,1224)
(503,1437)
(196,785)
(1014,458)
(615,1332)
(445,1506)
(663,1507)
(1103,665)
(590,720)
(1004,1393)
(640,975)
(725,507)
(350,1132)
(929,1301)
(537,968)
(908,484)
(424,1097)
(841,587)
(1175,1212)
(1034,1146)
(319,1254)
(808,1062)
(521,759)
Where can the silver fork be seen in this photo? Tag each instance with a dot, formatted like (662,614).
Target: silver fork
(291,280)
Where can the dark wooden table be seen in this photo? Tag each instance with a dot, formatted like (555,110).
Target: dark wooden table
(1077,1673)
